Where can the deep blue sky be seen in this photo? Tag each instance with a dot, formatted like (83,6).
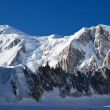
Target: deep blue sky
(62,17)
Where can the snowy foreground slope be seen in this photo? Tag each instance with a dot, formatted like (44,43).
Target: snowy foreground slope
(74,67)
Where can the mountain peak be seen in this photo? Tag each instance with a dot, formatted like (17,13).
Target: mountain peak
(4,27)
(7,29)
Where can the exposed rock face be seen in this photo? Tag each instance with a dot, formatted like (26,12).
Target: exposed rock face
(100,30)
(74,58)
(102,41)
(107,59)
(85,37)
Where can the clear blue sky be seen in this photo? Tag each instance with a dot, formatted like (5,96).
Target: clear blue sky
(62,17)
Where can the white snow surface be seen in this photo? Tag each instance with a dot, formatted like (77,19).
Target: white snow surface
(7,75)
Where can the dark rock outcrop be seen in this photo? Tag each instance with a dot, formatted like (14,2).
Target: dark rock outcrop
(74,85)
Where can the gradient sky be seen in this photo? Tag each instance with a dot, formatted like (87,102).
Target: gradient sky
(62,17)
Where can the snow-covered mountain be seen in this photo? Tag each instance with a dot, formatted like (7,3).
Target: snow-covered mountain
(87,47)
(21,56)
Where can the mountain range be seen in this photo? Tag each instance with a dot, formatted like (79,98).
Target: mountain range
(76,65)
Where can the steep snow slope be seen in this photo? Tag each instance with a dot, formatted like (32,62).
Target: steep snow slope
(13,86)
(15,46)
